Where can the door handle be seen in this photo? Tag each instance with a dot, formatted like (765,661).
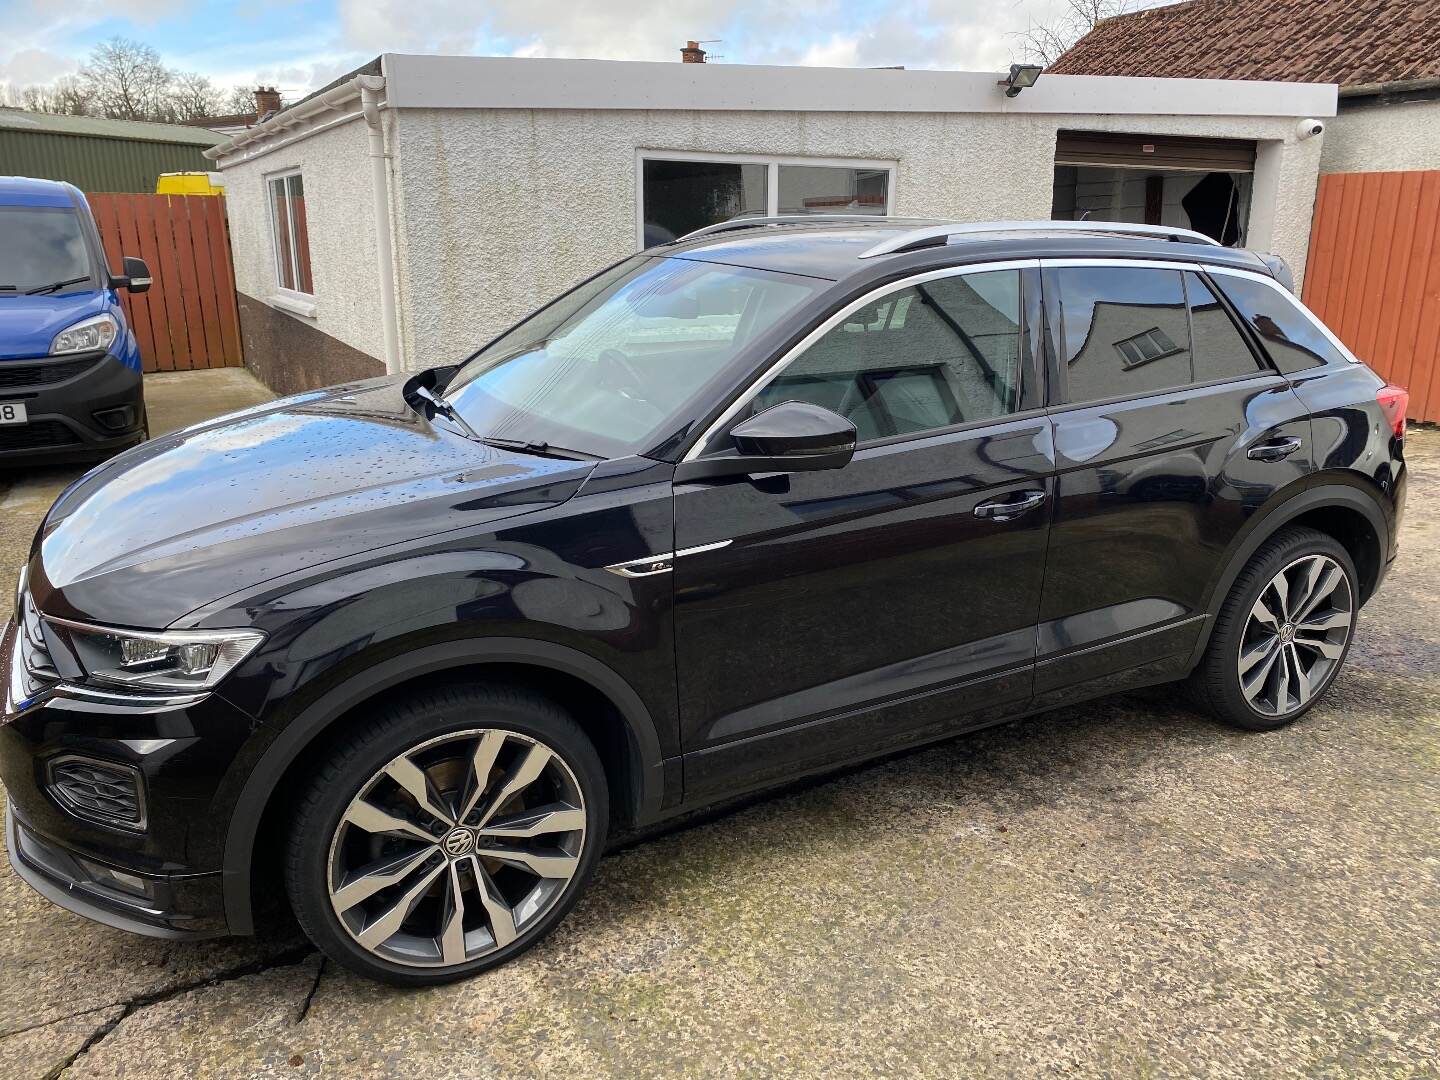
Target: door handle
(1275,449)
(1011,506)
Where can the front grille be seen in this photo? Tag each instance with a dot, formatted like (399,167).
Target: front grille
(41,434)
(102,791)
(13,374)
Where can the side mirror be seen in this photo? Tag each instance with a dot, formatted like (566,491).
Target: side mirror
(793,436)
(136,276)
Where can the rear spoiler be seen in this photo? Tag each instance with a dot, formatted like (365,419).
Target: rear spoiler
(1280,269)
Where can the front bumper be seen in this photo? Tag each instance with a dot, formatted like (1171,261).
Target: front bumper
(115,896)
(161,876)
(79,408)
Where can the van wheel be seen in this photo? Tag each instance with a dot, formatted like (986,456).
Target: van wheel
(447,836)
(1282,634)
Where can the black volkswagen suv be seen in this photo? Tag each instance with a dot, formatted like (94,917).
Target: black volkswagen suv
(773,498)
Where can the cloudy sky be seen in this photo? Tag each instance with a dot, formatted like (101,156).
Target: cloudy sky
(301,46)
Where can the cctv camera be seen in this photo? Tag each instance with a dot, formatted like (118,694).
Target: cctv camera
(1305,128)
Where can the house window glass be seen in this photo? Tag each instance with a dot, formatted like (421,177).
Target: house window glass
(289,225)
(1125,331)
(815,189)
(682,196)
(934,355)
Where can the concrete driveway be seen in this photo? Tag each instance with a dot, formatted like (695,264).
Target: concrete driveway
(1120,889)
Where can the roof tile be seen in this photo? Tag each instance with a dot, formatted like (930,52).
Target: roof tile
(1350,42)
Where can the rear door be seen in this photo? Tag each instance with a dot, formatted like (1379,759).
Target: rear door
(820,616)
(1169,431)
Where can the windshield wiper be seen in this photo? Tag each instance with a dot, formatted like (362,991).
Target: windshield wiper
(524,446)
(56,285)
(443,407)
(545,449)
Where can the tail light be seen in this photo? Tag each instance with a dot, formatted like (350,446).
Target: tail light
(1394,400)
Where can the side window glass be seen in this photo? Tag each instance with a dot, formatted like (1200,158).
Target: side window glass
(933,355)
(1220,351)
(1124,331)
(1292,340)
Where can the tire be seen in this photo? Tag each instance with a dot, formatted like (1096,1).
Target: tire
(373,875)
(1271,692)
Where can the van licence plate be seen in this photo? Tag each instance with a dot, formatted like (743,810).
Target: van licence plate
(12,412)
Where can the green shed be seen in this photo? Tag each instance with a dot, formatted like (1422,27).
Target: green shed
(96,154)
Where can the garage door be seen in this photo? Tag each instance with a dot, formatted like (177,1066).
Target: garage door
(1154,152)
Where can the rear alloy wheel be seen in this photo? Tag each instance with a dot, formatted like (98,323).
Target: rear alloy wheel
(456,852)
(1282,634)
(1295,635)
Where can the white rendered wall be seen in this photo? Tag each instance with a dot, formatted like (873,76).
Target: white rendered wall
(500,209)
(341,229)
(1383,138)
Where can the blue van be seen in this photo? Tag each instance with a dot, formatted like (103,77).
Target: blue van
(70,385)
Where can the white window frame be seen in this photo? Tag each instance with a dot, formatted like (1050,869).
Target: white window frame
(772,176)
(292,300)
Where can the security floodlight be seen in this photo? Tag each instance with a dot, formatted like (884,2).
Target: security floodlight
(1021,76)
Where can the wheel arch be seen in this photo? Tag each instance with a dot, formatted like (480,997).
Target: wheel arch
(1342,510)
(627,740)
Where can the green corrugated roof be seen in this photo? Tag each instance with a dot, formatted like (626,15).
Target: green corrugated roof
(95,126)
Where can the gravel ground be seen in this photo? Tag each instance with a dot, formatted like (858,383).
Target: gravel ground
(1118,889)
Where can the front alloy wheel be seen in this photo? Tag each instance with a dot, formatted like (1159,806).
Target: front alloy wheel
(419,857)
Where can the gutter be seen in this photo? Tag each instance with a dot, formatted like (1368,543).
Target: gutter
(311,113)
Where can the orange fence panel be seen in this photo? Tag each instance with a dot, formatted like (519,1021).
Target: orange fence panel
(189,318)
(1373,275)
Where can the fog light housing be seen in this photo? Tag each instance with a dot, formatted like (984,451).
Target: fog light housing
(116,419)
(108,792)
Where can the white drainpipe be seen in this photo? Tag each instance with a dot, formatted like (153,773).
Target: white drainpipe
(259,140)
(371,87)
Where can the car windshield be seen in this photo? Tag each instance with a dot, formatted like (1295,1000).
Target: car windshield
(41,246)
(608,368)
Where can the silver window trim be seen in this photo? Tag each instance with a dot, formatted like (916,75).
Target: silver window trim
(766,377)
(1216,268)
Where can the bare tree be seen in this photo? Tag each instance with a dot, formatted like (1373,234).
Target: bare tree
(194,97)
(128,80)
(1045,42)
(240,99)
(66,94)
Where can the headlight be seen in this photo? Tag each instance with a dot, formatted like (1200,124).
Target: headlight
(87,335)
(168,660)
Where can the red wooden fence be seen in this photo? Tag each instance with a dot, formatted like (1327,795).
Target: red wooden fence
(1373,275)
(188,319)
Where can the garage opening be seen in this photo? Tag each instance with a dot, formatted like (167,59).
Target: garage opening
(1189,183)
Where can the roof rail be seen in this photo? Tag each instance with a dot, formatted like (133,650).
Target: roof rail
(790,219)
(943,232)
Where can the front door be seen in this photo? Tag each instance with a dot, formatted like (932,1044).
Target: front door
(822,616)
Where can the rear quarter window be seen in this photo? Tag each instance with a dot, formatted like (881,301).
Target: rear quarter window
(1293,341)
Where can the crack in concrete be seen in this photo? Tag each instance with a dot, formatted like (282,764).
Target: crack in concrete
(57,1020)
(314,989)
(288,958)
